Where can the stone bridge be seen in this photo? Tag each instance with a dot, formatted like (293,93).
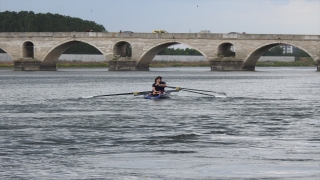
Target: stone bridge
(40,50)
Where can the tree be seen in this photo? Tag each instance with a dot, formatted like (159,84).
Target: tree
(82,48)
(25,21)
(300,53)
(276,51)
(178,51)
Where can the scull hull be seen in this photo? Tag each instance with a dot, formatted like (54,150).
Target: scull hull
(160,96)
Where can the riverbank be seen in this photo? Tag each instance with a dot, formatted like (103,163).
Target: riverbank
(303,61)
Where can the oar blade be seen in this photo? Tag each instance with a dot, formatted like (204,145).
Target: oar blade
(87,97)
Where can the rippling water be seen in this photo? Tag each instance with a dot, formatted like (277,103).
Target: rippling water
(266,127)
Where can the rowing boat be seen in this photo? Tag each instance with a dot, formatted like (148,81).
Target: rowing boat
(165,95)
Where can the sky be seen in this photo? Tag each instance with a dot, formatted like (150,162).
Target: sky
(185,16)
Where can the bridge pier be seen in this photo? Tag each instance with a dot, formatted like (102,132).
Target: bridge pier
(126,64)
(27,64)
(48,67)
(30,64)
(122,65)
(229,64)
(318,64)
(143,67)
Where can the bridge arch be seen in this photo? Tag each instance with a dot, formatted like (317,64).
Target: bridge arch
(253,57)
(50,59)
(146,58)
(8,53)
(122,49)
(28,49)
(226,49)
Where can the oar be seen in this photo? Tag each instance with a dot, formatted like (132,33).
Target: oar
(178,88)
(171,91)
(199,93)
(134,93)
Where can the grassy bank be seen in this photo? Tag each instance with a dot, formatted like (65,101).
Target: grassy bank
(6,64)
(305,61)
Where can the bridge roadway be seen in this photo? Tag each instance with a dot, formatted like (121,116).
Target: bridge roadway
(32,51)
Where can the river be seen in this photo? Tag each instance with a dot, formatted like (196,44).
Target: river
(266,127)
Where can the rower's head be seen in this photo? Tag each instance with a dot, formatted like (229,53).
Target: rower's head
(159,77)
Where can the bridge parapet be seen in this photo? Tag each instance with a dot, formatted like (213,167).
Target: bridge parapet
(159,35)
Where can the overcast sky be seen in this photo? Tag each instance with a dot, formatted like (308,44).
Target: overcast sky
(184,16)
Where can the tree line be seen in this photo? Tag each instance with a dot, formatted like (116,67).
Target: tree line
(178,51)
(28,21)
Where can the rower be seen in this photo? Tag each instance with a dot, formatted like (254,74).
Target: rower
(158,86)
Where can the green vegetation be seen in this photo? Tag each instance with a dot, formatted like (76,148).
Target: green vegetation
(28,21)
(6,64)
(178,51)
(82,48)
(276,51)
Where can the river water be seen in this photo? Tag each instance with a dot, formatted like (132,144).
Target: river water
(266,127)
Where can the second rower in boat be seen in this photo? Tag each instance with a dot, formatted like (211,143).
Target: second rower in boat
(158,86)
